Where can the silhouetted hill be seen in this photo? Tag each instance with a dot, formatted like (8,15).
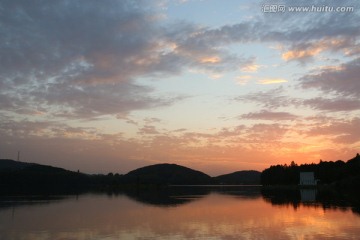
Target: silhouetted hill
(20,176)
(8,164)
(167,174)
(16,166)
(240,177)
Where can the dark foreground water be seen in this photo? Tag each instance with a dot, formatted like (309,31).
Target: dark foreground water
(179,213)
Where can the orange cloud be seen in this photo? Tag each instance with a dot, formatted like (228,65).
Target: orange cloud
(266,81)
(212,59)
(314,49)
(250,68)
(298,54)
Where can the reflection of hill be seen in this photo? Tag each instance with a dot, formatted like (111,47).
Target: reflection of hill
(326,198)
(28,200)
(177,195)
(165,197)
(155,196)
(162,197)
(241,191)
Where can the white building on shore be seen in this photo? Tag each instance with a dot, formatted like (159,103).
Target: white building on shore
(307,179)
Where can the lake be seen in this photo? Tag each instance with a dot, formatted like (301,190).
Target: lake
(179,213)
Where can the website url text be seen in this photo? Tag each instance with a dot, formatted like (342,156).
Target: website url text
(277,8)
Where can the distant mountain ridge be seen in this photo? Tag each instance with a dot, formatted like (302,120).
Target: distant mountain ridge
(29,174)
(21,175)
(31,178)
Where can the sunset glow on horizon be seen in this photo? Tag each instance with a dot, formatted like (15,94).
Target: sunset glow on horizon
(110,86)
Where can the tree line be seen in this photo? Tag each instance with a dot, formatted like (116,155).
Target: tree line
(326,172)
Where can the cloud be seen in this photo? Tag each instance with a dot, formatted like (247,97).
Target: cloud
(26,129)
(250,68)
(76,57)
(266,133)
(195,47)
(289,27)
(266,81)
(352,50)
(270,99)
(243,80)
(305,51)
(300,54)
(333,105)
(210,60)
(236,131)
(345,132)
(343,82)
(304,35)
(269,115)
(147,129)
(80,59)
(74,38)
(96,100)
(152,120)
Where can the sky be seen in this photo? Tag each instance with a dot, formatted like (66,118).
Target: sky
(217,86)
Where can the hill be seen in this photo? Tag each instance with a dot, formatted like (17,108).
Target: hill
(21,176)
(167,174)
(10,165)
(31,177)
(240,177)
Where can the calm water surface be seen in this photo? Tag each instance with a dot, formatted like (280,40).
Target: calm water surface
(242,213)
